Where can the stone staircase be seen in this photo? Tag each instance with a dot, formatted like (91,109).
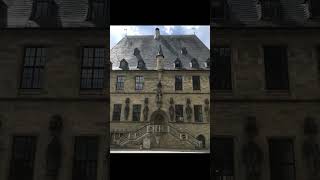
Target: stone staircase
(148,129)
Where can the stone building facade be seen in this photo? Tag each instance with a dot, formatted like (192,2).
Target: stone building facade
(265,80)
(159,92)
(53,116)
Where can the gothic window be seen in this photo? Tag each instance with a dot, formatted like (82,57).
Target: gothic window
(178,83)
(42,9)
(219,9)
(85,158)
(177,64)
(92,68)
(139,82)
(282,163)
(196,82)
(271,9)
(223,158)
(221,68)
(194,63)
(22,158)
(120,83)
(116,112)
(33,68)
(276,68)
(136,112)
(198,116)
(97,10)
(314,8)
(124,65)
(179,112)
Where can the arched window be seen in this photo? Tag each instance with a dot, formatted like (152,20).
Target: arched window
(208,63)
(202,139)
(177,64)
(124,65)
(194,63)
(136,52)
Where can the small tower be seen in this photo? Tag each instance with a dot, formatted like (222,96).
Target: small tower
(160,59)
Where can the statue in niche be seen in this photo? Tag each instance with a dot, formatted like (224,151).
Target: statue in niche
(251,153)
(127,109)
(146,109)
(159,95)
(171,109)
(54,149)
(311,150)
(207,109)
(189,110)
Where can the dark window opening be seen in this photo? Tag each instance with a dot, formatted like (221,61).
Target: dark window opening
(22,158)
(3,14)
(196,82)
(219,9)
(33,68)
(139,82)
(178,83)
(177,64)
(124,65)
(198,117)
(120,83)
(116,112)
(271,9)
(93,68)
(97,11)
(179,112)
(194,63)
(222,159)
(282,163)
(314,8)
(276,68)
(221,68)
(136,112)
(85,158)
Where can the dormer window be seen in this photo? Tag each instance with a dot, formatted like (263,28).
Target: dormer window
(194,63)
(141,64)
(42,9)
(97,11)
(136,52)
(124,65)
(314,7)
(219,9)
(177,64)
(208,63)
(271,9)
(184,51)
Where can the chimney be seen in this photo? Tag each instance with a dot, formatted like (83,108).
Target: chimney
(157,34)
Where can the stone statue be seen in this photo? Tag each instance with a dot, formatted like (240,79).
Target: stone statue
(127,109)
(54,149)
(207,109)
(146,109)
(189,110)
(251,153)
(171,110)
(159,95)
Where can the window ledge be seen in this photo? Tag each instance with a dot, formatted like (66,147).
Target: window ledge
(30,91)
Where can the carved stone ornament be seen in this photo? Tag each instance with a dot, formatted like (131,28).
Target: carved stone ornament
(54,149)
(171,109)
(189,110)
(146,109)
(127,109)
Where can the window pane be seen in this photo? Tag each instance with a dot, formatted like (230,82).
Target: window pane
(196,82)
(116,112)
(136,112)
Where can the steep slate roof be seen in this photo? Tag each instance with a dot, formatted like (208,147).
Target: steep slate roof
(247,13)
(149,47)
(70,14)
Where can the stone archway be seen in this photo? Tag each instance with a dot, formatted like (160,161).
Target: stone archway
(202,139)
(159,117)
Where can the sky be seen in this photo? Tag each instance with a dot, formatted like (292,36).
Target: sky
(118,32)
